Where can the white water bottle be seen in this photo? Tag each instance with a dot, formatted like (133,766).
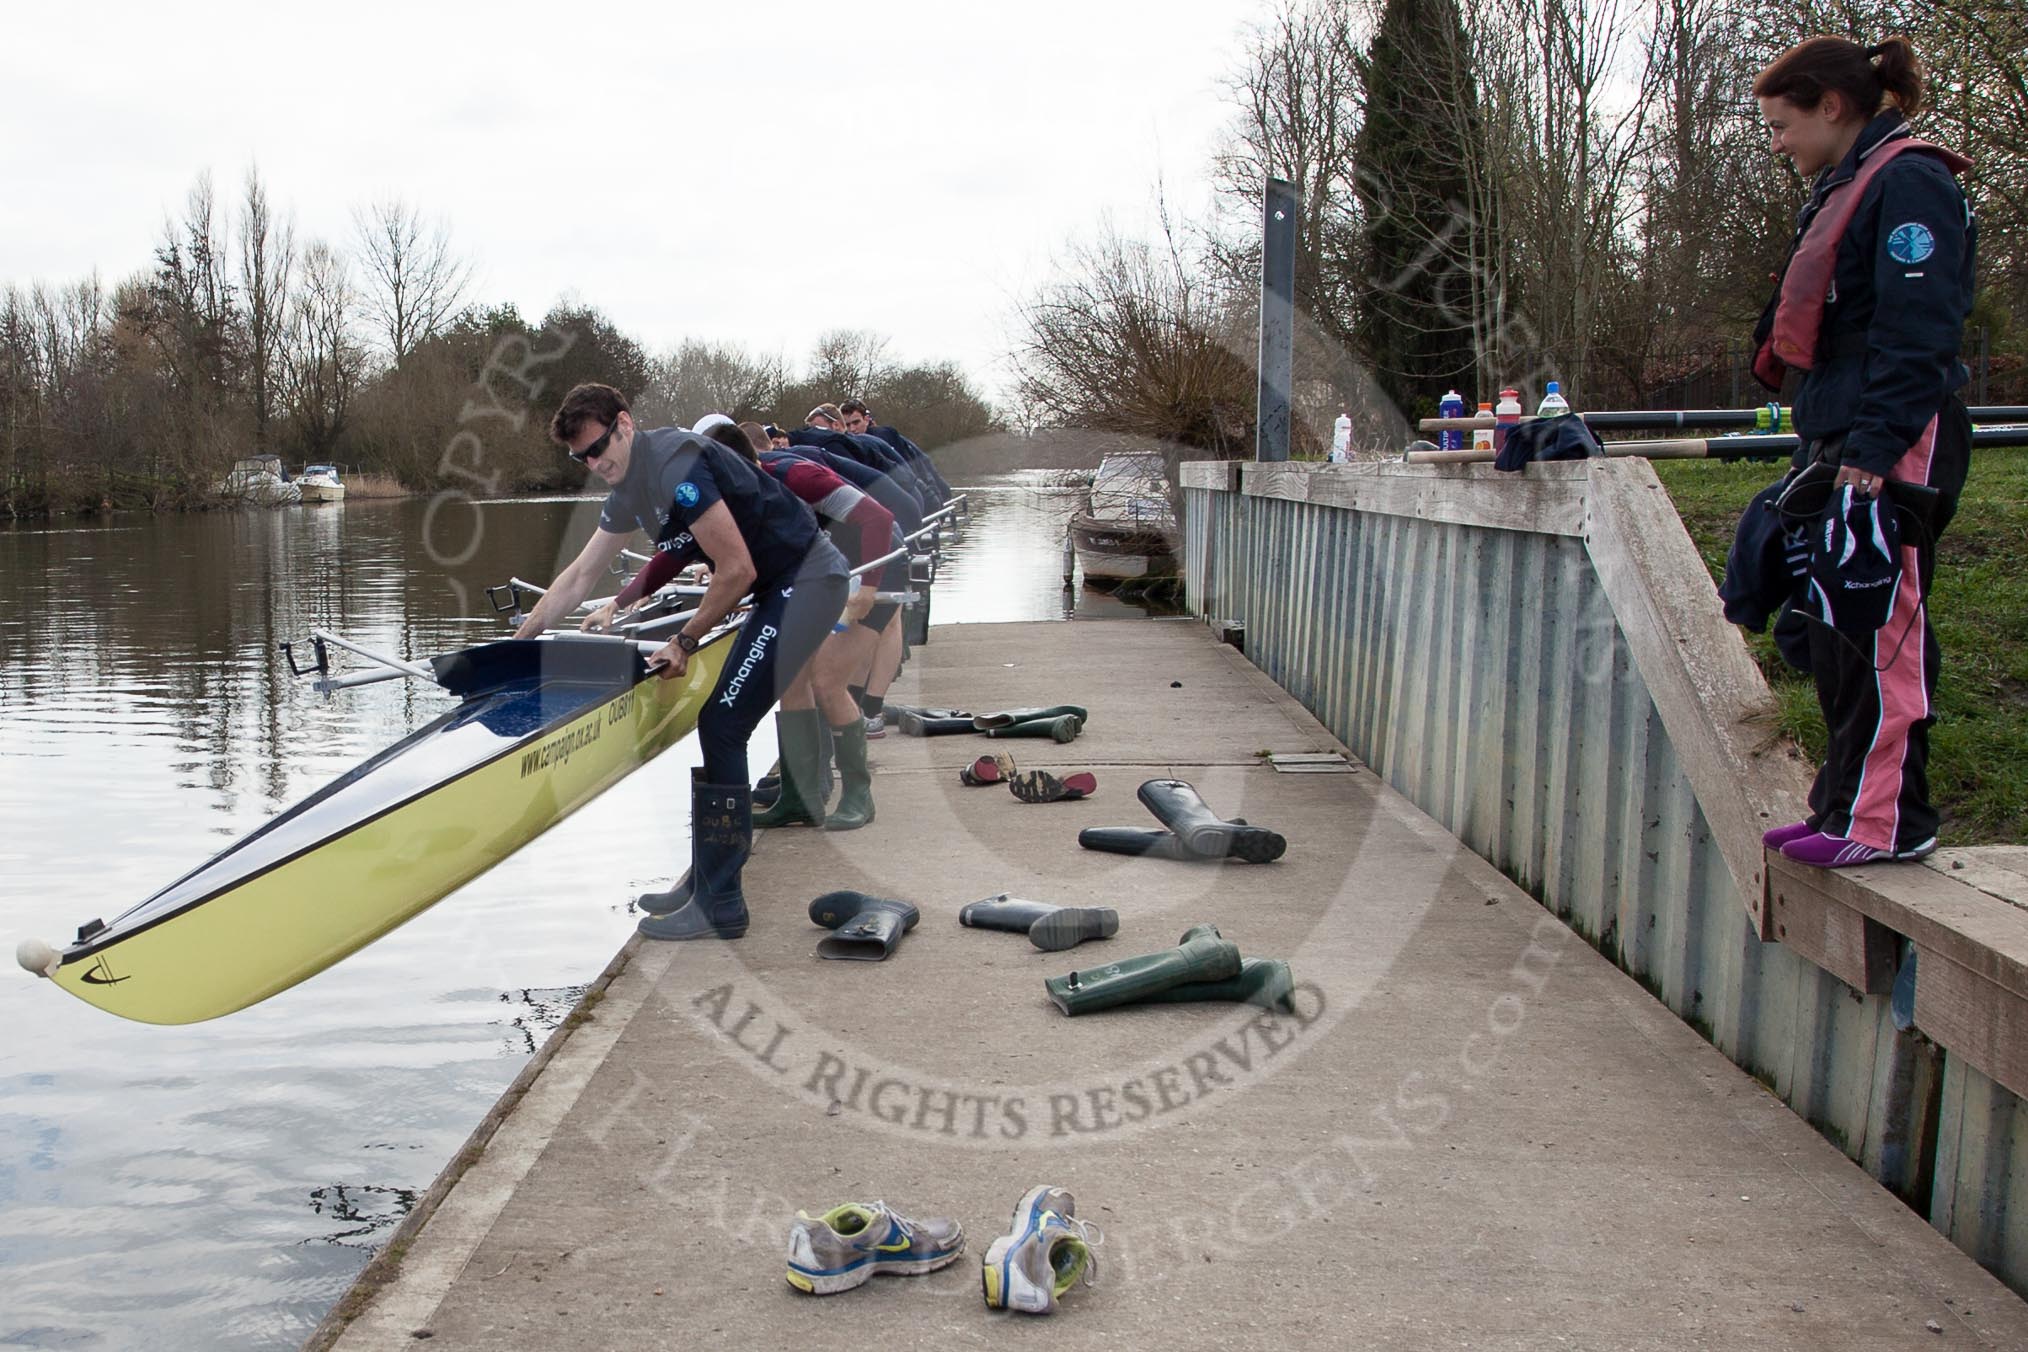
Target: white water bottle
(1554,405)
(1506,414)
(1482,437)
(1341,439)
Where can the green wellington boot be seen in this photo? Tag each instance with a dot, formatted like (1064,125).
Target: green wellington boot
(1050,928)
(917,721)
(1009,717)
(1266,982)
(1202,956)
(1203,832)
(800,801)
(1063,727)
(855,797)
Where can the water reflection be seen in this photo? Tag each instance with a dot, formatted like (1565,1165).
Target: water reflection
(1013,566)
(219,1185)
(363,1210)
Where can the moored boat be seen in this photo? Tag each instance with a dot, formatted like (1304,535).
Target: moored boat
(320,483)
(258,480)
(1127,531)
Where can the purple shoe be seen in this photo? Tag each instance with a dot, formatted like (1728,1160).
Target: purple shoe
(1782,835)
(1822,851)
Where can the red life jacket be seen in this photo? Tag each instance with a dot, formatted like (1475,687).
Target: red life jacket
(1806,285)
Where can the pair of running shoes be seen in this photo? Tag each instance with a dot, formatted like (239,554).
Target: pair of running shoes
(1047,1250)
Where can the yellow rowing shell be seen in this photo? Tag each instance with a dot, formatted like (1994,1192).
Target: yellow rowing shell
(390,838)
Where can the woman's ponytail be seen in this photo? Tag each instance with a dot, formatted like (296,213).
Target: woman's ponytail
(1900,72)
(1863,77)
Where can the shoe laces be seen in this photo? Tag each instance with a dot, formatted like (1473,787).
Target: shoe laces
(1091,1236)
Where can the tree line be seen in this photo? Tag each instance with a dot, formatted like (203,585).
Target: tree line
(243,337)
(1504,192)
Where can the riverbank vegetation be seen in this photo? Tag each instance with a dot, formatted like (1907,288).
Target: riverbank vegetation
(1506,192)
(1979,748)
(242,338)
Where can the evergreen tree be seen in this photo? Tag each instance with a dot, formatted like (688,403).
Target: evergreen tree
(1415,320)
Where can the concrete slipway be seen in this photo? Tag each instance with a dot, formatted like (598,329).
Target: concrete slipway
(1475,1132)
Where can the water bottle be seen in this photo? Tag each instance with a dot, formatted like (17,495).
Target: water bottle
(1554,405)
(1453,406)
(1506,414)
(1482,437)
(1341,439)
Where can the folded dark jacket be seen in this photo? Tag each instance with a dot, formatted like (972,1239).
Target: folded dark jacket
(1565,438)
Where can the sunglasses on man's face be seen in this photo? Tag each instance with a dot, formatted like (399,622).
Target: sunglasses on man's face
(597,448)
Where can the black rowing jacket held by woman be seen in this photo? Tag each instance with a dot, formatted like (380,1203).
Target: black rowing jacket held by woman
(1893,318)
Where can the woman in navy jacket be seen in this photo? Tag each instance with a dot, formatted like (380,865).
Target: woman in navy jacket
(1870,311)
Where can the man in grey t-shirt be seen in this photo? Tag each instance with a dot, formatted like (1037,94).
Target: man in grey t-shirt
(697,500)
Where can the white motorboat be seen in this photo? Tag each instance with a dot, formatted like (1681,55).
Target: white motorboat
(1127,531)
(258,479)
(320,483)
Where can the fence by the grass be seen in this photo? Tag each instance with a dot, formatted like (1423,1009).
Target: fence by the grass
(1720,375)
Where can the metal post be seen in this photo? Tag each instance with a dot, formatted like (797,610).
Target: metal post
(1277,320)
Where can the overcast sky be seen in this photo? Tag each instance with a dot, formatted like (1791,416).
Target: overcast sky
(753,171)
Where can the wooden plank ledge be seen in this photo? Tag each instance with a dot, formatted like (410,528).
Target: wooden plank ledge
(1971,989)
(1999,871)
(1545,500)
(1705,684)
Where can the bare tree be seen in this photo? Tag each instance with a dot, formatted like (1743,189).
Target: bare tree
(1299,109)
(1134,339)
(415,283)
(699,378)
(267,258)
(323,364)
(1567,134)
(847,363)
(188,320)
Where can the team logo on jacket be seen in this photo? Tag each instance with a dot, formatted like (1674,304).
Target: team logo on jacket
(686,493)
(1910,243)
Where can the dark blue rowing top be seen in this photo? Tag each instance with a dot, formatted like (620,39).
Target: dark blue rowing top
(675,476)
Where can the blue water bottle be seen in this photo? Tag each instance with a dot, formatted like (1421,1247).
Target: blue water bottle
(1453,406)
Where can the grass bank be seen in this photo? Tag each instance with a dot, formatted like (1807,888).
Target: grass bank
(1979,747)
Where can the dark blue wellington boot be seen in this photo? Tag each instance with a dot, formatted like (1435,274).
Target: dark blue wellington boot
(721,836)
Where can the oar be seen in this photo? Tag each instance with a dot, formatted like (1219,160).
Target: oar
(1703,448)
(323,640)
(1765,417)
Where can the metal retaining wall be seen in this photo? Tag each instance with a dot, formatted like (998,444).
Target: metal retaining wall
(1483,671)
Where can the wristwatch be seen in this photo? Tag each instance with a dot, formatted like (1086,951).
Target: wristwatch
(686,643)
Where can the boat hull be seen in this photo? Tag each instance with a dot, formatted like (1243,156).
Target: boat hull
(218,950)
(320,492)
(1121,551)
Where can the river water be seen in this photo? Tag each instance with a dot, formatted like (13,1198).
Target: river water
(219,1185)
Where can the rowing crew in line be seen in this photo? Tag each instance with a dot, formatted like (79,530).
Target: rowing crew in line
(710,495)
